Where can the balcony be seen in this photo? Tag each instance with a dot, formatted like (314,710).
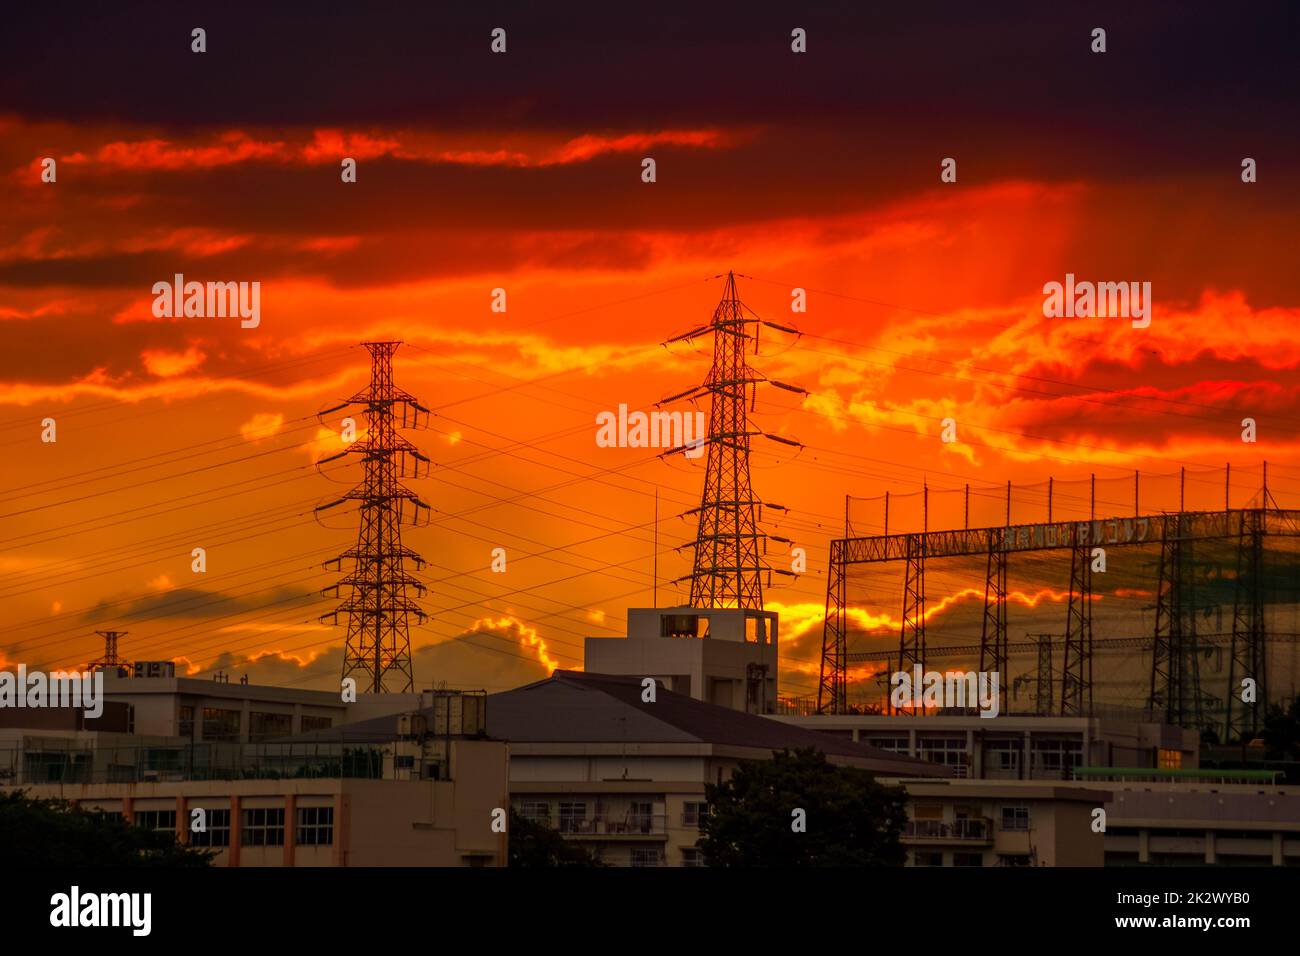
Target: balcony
(976,830)
(621,825)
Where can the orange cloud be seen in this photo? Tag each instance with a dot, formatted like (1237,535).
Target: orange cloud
(261,426)
(528,637)
(165,364)
(331,145)
(161,154)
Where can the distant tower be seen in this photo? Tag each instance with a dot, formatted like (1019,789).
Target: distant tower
(728,569)
(377,607)
(1249,656)
(110,661)
(1175,672)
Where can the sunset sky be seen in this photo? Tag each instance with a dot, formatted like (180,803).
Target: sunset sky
(523,171)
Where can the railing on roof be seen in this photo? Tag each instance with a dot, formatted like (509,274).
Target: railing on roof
(36,762)
(1171,775)
(797,706)
(978,829)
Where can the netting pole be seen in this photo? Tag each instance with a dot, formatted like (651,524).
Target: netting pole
(886,514)
(1092,498)
(1227,483)
(1008,502)
(1182,485)
(965,520)
(1049,500)
(1136,497)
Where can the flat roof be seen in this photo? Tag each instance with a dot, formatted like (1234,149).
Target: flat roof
(115,686)
(1012,789)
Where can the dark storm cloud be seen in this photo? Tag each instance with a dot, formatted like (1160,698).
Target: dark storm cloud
(85,342)
(198,603)
(490,659)
(415,219)
(1181,74)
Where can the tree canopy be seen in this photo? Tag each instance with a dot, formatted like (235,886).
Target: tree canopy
(56,833)
(848,818)
(535,844)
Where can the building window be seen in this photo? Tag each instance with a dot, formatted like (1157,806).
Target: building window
(1015,818)
(315,826)
(647,856)
(263,826)
(896,745)
(949,751)
(640,816)
(968,859)
(1056,758)
(694,812)
(217,823)
(1171,760)
(220,724)
(156,820)
(1013,859)
(920,858)
(538,811)
(186,724)
(1002,756)
(692,856)
(263,726)
(310,723)
(573,816)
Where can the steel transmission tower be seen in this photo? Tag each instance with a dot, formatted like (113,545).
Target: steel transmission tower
(111,660)
(1175,671)
(1249,655)
(378,606)
(994,656)
(1076,672)
(728,568)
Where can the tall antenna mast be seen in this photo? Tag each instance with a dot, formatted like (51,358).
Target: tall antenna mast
(377,606)
(728,567)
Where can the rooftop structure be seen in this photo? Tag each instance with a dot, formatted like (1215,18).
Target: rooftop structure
(723,656)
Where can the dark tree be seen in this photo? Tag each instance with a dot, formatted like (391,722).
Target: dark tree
(55,833)
(1282,731)
(535,844)
(850,819)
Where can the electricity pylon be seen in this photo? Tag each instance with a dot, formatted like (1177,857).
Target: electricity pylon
(377,606)
(110,661)
(729,545)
